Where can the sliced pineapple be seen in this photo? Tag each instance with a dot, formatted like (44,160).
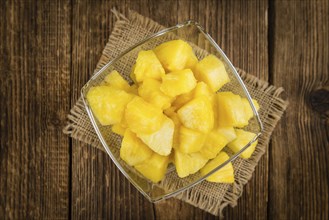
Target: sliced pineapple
(190,141)
(150,91)
(191,61)
(187,164)
(161,141)
(211,71)
(183,99)
(154,168)
(117,81)
(133,151)
(174,117)
(118,129)
(108,103)
(143,117)
(216,140)
(203,90)
(175,55)
(247,107)
(178,82)
(230,110)
(147,66)
(134,89)
(132,74)
(223,175)
(242,139)
(197,114)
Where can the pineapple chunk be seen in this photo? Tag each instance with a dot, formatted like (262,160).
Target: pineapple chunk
(150,91)
(216,140)
(174,117)
(187,164)
(134,89)
(108,103)
(154,168)
(160,141)
(197,114)
(178,82)
(190,141)
(247,107)
(191,61)
(148,66)
(132,74)
(182,99)
(133,151)
(243,138)
(143,117)
(118,129)
(223,175)
(231,110)
(117,81)
(227,132)
(203,90)
(211,71)
(175,55)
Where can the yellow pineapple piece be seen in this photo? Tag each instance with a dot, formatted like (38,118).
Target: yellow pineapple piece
(247,107)
(108,104)
(134,89)
(187,164)
(242,139)
(190,141)
(178,82)
(117,81)
(223,175)
(191,61)
(160,141)
(183,99)
(197,114)
(227,132)
(154,168)
(175,55)
(170,112)
(148,66)
(216,140)
(133,151)
(132,74)
(230,110)
(203,90)
(143,117)
(211,71)
(149,90)
(118,129)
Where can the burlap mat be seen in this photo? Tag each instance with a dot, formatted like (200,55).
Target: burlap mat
(211,197)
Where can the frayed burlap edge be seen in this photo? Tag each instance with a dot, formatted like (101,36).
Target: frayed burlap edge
(192,196)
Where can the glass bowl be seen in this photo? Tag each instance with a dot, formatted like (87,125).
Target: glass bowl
(202,45)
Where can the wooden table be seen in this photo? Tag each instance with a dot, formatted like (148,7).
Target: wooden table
(50,48)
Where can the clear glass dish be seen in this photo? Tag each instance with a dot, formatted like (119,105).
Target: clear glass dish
(202,45)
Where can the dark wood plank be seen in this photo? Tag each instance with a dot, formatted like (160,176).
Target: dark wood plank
(299,155)
(99,190)
(34,100)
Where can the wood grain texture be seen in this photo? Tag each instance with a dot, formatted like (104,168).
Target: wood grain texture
(299,165)
(34,66)
(99,190)
(49,49)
